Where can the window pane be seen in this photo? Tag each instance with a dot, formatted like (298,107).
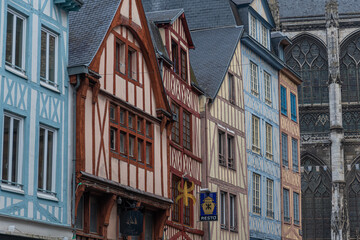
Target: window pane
(18,43)
(131,146)
(15,147)
(232,212)
(174,54)
(50,147)
(183,65)
(148,153)
(113,139)
(120,57)
(43,55)
(9,37)
(52,58)
(41,158)
(284,148)
(6,143)
(93,215)
(131,120)
(80,214)
(175,133)
(148,129)
(140,151)
(175,192)
(122,142)
(122,116)
(149,225)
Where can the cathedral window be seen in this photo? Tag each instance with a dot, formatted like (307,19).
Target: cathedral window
(15,41)
(308,57)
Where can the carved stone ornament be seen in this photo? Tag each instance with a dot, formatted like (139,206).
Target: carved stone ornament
(339,217)
(332,14)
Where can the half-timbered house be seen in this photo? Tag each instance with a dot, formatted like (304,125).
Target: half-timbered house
(171,34)
(222,114)
(35,158)
(122,124)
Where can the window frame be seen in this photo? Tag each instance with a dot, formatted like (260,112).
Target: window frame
(52,191)
(175,55)
(253,30)
(269,141)
(256,203)
(256,134)
(296,208)
(254,79)
(283,97)
(124,129)
(284,150)
(230,141)
(129,46)
(295,154)
(7,182)
(264,36)
(175,130)
(47,80)
(286,205)
(186,130)
(269,204)
(221,148)
(183,68)
(267,83)
(231,88)
(223,212)
(233,213)
(12,65)
(293,107)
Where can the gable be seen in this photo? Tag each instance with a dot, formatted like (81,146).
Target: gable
(262,8)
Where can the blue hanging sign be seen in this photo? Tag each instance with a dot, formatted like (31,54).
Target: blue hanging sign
(208,206)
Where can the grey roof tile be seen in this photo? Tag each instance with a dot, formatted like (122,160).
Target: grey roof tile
(200,14)
(212,56)
(164,16)
(87,29)
(157,41)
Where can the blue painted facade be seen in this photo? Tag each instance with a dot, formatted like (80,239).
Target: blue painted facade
(24,210)
(262,226)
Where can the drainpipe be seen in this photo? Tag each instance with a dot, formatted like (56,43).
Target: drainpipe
(74,155)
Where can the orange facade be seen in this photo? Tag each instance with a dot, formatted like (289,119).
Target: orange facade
(290,156)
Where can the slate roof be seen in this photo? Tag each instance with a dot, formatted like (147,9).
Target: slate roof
(200,14)
(157,41)
(87,29)
(164,16)
(212,56)
(308,8)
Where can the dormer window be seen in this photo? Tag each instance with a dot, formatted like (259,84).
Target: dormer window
(174,53)
(264,34)
(252,26)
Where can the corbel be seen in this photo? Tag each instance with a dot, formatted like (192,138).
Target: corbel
(161,217)
(96,89)
(79,192)
(106,214)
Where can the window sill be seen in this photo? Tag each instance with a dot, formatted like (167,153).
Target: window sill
(47,197)
(9,188)
(48,86)
(16,72)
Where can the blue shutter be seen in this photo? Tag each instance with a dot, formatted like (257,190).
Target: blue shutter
(286,205)
(293,107)
(284,150)
(295,155)
(283,101)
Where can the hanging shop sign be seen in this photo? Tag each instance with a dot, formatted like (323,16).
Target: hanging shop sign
(208,206)
(186,193)
(131,223)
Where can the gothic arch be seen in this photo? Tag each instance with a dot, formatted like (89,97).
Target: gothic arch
(350,68)
(353,198)
(308,57)
(316,198)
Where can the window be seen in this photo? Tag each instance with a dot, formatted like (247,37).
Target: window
(286,205)
(293,107)
(254,79)
(132,63)
(186,130)
(94,209)
(269,198)
(252,26)
(232,212)
(47,162)
(180,212)
(264,33)
(256,194)
(174,55)
(224,212)
(255,135)
(175,132)
(267,80)
(128,140)
(120,56)
(231,88)
(11,150)
(175,216)
(183,65)
(283,100)
(15,41)
(295,160)
(48,57)
(221,146)
(296,209)
(269,154)
(284,149)
(230,152)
